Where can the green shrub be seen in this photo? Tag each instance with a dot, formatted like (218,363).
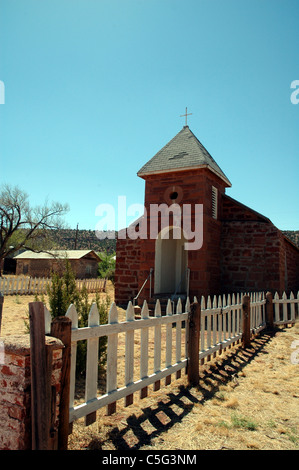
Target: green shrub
(243,422)
(106,269)
(62,293)
(239,422)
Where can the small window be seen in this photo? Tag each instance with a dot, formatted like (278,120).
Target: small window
(88,269)
(214,202)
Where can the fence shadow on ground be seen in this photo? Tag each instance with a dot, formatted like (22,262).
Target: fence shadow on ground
(154,420)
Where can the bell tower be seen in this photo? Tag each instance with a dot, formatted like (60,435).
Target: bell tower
(182,175)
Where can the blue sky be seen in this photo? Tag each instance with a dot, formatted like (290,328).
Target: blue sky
(94,88)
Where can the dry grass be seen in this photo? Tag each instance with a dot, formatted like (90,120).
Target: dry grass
(245,400)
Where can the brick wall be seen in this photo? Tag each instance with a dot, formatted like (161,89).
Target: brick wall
(126,270)
(291,256)
(15,390)
(255,255)
(250,257)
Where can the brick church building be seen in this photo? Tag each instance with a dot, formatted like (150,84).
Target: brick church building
(234,248)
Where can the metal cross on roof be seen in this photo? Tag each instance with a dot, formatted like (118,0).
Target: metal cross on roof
(186,114)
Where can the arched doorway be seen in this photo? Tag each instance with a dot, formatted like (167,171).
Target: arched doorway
(171,261)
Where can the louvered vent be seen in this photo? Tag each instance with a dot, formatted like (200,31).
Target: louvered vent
(214,202)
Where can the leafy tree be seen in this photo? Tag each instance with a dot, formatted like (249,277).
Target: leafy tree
(106,267)
(22,226)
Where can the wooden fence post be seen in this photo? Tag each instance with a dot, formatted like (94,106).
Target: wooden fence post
(193,344)
(269,310)
(1,308)
(61,328)
(246,321)
(40,379)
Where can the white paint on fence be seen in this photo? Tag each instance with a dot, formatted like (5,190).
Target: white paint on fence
(48,320)
(112,329)
(168,336)
(144,343)
(129,348)
(221,324)
(26,285)
(112,352)
(92,357)
(73,316)
(284,308)
(157,347)
(258,312)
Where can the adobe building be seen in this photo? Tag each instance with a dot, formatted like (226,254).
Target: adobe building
(235,249)
(84,263)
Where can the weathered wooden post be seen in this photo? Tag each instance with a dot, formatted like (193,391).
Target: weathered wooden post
(61,328)
(269,311)
(193,344)
(246,321)
(40,379)
(1,308)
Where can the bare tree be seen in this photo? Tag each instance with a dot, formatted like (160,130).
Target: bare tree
(22,226)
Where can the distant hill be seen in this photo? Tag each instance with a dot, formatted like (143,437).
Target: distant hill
(65,239)
(293,235)
(69,239)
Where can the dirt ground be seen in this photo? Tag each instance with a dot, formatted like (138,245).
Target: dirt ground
(246,399)
(15,315)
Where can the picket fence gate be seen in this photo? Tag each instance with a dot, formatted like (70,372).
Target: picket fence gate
(220,327)
(26,285)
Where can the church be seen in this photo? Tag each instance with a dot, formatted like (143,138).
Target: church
(193,239)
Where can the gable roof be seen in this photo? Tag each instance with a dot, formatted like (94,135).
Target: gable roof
(183,152)
(56,254)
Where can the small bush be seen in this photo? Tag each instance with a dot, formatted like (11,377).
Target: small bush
(242,422)
(239,422)
(62,293)
(106,269)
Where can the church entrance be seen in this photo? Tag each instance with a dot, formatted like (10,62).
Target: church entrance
(171,260)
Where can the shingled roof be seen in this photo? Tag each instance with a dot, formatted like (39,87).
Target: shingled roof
(183,152)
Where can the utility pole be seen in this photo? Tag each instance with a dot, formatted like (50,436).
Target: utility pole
(76,239)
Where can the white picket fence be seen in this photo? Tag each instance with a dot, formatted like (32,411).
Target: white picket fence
(221,326)
(26,285)
(165,348)
(221,321)
(285,309)
(129,327)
